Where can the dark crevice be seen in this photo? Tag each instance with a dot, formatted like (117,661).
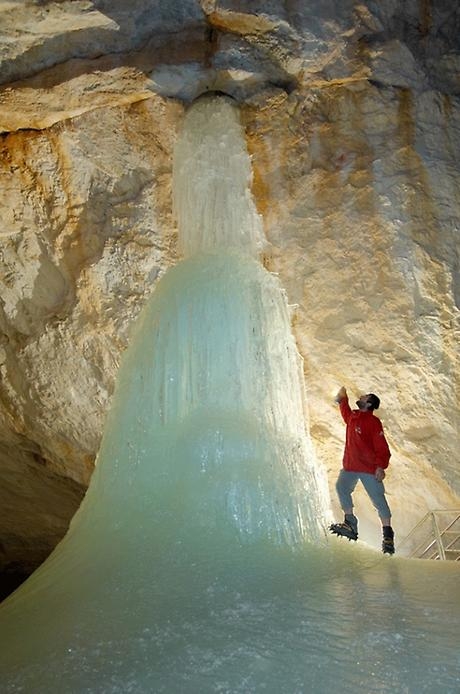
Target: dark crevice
(9,581)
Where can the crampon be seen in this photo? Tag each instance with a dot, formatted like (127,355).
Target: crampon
(344,530)
(388,545)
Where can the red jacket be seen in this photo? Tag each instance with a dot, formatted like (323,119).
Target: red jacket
(366,448)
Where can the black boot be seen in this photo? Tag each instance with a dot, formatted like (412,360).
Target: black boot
(388,545)
(349,527)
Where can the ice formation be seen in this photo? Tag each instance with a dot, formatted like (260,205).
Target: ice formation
(197,561)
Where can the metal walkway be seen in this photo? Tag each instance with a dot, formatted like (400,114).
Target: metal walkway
(437,536)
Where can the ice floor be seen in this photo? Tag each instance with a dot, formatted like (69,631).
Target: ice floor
(337,619)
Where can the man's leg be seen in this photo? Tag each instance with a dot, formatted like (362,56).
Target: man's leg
(346,482)
(376,493)
(345,485)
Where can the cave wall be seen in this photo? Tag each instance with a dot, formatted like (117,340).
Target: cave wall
(352,115)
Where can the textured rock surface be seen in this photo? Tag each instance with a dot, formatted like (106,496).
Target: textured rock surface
(352,113)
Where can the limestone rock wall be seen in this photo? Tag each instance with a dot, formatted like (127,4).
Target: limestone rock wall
(352,114)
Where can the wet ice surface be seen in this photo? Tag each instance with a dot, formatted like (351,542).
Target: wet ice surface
(198,561)
(337,619)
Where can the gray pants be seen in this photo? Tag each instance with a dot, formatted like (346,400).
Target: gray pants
(346,484)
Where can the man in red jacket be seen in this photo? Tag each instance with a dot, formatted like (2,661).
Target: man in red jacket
(365,458)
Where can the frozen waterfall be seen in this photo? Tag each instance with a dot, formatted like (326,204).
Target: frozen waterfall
(197,562)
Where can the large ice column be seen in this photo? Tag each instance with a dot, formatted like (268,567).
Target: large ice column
(211,391)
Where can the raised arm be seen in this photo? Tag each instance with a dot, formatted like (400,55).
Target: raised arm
(342,399)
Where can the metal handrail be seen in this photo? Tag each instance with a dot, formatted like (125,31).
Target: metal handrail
(437,534)
(414,529)
(437,537)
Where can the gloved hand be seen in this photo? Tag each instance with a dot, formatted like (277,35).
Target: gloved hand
(379,474)
(341,395)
